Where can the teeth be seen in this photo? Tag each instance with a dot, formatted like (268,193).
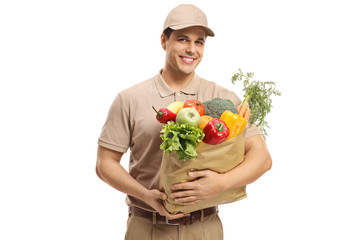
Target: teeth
(188,59)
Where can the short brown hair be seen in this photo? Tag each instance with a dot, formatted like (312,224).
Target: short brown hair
(167,32)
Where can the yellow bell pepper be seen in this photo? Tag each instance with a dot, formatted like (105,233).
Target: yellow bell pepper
(234,122)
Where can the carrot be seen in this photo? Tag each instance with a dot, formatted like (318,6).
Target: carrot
(258,95)
(243,108)
(247,114)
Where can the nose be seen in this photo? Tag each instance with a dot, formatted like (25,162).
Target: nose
(191,48)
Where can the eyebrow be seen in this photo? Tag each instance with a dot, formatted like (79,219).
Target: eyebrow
(184,36)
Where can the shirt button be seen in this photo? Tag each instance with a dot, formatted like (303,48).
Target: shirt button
(179,94)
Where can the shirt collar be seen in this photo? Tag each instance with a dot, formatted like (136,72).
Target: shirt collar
(164,90)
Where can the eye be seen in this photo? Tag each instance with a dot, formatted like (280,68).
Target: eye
(182,40)
(200,42)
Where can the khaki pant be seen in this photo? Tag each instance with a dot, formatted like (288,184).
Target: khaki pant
(139,228)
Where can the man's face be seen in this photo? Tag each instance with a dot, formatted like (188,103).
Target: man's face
(184,50)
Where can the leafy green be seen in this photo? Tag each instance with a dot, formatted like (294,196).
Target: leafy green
(258,96)
(182,138)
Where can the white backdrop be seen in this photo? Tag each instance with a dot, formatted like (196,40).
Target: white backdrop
(63,62)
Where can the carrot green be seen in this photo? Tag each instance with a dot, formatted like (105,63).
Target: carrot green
(258,95)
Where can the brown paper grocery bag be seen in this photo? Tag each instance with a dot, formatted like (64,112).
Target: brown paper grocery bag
(220,158)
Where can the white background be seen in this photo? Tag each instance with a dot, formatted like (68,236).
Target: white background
(62,63)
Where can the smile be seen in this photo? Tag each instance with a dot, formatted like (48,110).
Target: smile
(187,60)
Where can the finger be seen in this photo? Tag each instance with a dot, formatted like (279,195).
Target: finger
(163,212)
(160,195)
(163,196)
(175,216)
(182,186)
(182,194)
(197,174)
(166,214)
(191,202)
(186,200)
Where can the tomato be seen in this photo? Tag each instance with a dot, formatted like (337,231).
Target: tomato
(195,104)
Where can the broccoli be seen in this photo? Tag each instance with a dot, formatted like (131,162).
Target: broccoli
(215,107)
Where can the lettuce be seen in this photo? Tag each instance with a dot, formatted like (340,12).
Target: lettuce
(182,138)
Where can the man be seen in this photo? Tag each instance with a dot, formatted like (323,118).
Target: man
(131,124)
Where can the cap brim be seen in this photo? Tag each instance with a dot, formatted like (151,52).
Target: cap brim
(208,31)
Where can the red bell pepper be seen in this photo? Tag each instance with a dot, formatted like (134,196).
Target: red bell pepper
(164,115)
(215,132)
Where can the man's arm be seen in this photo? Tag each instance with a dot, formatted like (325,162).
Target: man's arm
(109,169)
(210,184)
(257,161)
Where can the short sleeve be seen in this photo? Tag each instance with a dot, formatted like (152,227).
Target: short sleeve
(116,132)
(252,130)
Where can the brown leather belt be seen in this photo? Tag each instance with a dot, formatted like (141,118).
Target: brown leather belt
(194,216)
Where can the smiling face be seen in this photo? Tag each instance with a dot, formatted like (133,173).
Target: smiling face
(184,50)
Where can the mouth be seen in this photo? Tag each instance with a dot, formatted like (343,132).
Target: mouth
(187,60)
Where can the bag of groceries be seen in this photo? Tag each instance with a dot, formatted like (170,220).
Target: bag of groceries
(195,141)
(209,135)
(220,158)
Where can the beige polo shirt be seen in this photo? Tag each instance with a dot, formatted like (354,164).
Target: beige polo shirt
(131,123)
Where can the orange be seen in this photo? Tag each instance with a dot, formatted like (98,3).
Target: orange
(204,120)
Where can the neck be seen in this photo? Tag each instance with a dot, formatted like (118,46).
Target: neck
(176,81)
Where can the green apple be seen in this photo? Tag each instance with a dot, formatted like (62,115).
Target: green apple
(188,115)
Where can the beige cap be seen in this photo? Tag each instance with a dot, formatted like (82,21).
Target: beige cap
(187,15)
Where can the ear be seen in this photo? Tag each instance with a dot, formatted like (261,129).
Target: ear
(163,41)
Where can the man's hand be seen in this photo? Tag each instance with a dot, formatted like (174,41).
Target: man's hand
(110,171)
(155,199)
(207,185)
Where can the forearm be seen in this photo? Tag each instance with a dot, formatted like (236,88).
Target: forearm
(108,169)
(257,161)
(209,184)
(112,172)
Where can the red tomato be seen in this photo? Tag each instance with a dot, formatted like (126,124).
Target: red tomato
(195,104)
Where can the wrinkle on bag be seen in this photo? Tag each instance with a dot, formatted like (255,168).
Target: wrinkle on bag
(219,158)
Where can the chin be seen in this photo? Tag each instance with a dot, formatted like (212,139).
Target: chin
(188,71)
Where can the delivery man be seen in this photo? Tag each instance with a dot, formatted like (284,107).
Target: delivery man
(131,124)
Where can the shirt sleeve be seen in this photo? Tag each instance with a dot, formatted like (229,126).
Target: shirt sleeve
(116,132)
(252,130)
